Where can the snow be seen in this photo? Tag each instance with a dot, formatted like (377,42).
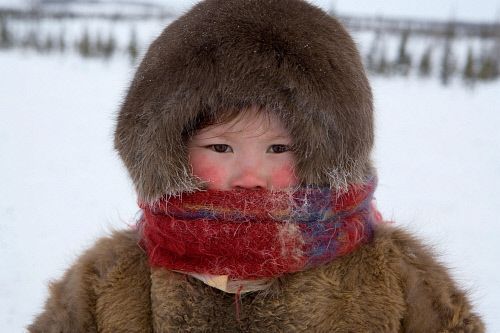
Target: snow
(438,156)
(63,185)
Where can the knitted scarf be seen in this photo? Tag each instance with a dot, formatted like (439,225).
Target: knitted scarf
(249,236)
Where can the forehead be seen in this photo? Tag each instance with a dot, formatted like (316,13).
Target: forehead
(250,123)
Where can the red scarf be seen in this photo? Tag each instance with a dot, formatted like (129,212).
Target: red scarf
(254,234)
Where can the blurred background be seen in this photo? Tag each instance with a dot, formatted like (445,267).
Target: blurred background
(65,66)
(448,40)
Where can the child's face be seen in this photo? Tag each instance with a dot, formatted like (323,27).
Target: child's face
(252,151)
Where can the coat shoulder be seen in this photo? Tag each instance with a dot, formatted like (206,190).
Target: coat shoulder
(120,248)
(434,301)
(89,287)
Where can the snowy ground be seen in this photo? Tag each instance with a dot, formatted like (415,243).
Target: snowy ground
(62,185)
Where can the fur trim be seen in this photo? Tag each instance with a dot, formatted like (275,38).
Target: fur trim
(286,56)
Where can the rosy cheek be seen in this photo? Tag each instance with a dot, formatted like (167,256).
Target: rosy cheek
(205,168)
(284,177)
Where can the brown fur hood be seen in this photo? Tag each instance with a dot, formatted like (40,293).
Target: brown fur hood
(286,56)
(391,285)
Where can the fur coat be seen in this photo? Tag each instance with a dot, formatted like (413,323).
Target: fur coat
(390,285)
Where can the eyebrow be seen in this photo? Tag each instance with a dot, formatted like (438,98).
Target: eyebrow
(230,135)
(279,137)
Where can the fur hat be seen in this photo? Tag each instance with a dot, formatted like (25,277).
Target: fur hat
(285,56)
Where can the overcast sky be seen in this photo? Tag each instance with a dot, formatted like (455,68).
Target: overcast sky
(475,10)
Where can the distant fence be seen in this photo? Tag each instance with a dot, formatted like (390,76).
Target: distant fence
(148,12)
(353,23)
(423,27)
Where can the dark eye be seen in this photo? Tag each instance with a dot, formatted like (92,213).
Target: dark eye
(278,149)
(221,148)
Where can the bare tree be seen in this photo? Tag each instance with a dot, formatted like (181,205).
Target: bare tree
(402,64)
(62,41)
(448,62)
(109,46)
(84,45)
(133,48)
(373,52)
(425,66)
(469,72)
(6,36)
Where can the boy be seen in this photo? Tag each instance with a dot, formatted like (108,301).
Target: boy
(247,132)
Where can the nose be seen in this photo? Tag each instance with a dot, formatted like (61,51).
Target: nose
(249,176)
